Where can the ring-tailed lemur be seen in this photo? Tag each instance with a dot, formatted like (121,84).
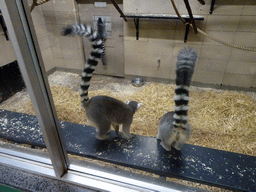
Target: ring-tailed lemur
(174,129)
(101,27)
(103,111)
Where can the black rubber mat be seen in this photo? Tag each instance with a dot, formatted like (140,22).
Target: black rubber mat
(194,163)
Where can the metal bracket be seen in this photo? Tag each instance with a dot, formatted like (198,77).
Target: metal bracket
(137,26)
(186,18)
(186,33)
(3,26)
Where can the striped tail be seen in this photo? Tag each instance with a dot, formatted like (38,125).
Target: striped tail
(103,57)
(92,61)
(101,26)
(184,70)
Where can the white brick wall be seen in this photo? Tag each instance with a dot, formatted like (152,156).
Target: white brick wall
(231,21)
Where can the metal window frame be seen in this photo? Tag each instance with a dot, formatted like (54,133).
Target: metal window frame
(25,44)
(26,47)
(77,175)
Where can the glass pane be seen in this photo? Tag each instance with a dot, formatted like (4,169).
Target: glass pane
(19,128)
(62,57)
(217,117)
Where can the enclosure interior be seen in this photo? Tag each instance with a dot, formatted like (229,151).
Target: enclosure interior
(222,96)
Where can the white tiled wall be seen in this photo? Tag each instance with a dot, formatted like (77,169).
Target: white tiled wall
(49,20)
(231,21)
(43,37)
(67,52)
(7,54)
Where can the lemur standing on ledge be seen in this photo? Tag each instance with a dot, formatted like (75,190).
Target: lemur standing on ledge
(174,129)
(103,111)
(102,31)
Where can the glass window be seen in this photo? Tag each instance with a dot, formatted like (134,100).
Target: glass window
(25,45)
(18,123)
(41,108)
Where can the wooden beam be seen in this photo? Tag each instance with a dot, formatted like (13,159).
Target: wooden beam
(119,10)
(33,5)
(36,3)
(202,2)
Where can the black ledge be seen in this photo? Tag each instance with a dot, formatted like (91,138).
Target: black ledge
(161,16)
(136,18)
(193,163)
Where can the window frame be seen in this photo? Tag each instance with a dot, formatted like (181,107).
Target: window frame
(25,44)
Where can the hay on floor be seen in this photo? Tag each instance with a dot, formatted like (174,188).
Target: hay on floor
(224,120)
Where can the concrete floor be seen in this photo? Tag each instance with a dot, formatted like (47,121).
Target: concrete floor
(30,182)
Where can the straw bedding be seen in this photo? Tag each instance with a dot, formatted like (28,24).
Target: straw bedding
(224,120)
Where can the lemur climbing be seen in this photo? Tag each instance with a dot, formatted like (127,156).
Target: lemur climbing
(103,111)
(102,31)
(174,129)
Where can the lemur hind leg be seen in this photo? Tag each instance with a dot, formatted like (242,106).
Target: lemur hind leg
(126,130)
(116,127)
(102,130)
(158,136)
(166,147)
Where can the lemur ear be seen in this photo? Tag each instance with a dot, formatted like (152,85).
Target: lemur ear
(127,101)
(139,105)
(165,112)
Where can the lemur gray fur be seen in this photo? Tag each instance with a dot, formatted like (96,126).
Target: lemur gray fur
(174,129)
(102,111)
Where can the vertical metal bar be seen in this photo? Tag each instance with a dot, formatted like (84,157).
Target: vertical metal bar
(212,6)
(22,34)
(137,25)
(3,26)
(186,33)
(191,16)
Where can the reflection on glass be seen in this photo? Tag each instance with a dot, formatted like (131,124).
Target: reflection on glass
(49,19)
(18,123)
(62,53)
(66,54)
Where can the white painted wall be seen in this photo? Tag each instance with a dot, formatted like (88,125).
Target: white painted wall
(231,21)
(7,54)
